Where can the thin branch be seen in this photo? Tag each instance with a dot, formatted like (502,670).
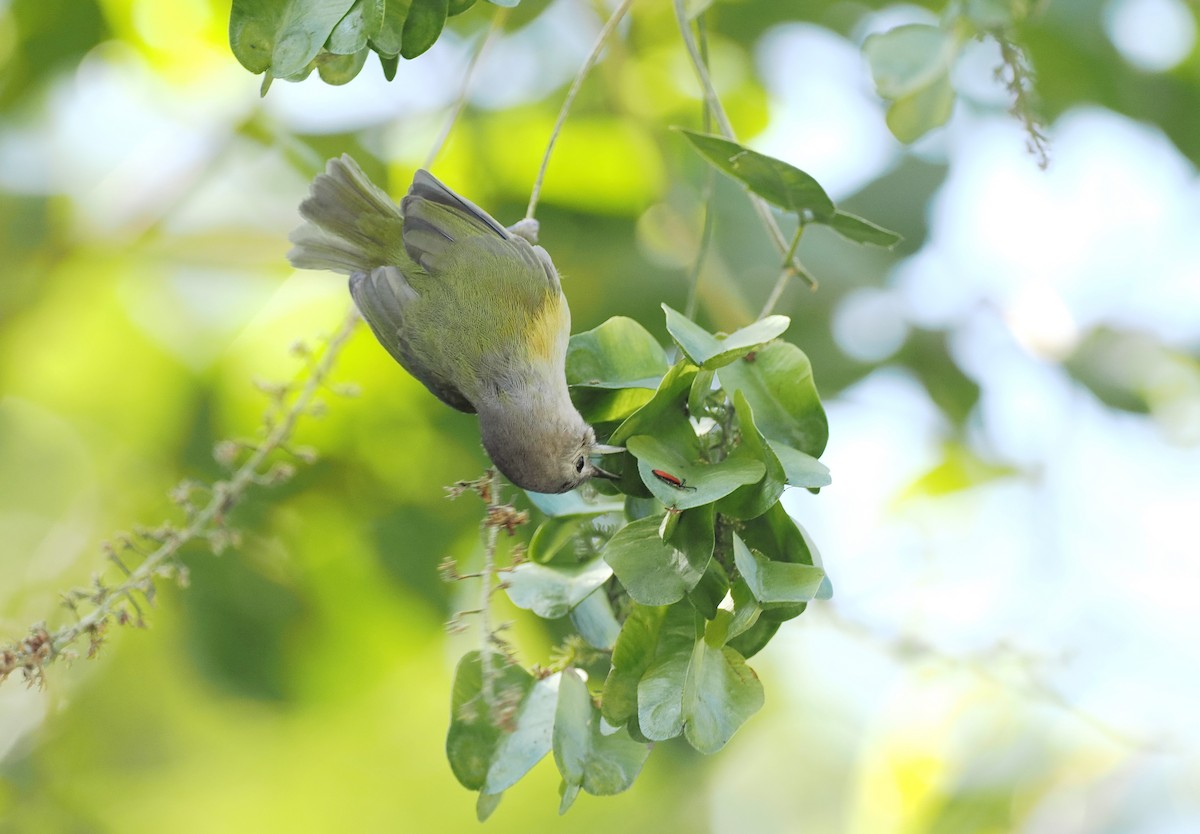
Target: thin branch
(43,646)
(487,576)
(785,274)
(710,185)
(592,57)
(761,207)
(460,103)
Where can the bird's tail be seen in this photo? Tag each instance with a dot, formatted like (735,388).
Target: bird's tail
(352,225)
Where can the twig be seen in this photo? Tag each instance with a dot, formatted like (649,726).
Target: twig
(785,273)
(592,57)
(761,207)
(460,103)
(43,646)
(486,581)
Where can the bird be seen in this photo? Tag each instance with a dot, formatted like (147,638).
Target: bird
(472,310)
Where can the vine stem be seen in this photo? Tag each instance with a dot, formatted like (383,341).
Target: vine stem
(785,273)
(224,496)
(601,39)
(487,579)
(761,207)
(460,103)
(710,184)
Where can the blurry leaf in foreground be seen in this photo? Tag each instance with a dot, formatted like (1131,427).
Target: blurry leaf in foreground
(475,727)
(282,36)
(552,591)
(911,66)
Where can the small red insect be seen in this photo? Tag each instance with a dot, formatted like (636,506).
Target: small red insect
(668,478)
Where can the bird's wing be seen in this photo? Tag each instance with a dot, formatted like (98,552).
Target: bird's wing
(382,296)
(452,238)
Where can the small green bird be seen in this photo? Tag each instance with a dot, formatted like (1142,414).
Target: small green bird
(473,311)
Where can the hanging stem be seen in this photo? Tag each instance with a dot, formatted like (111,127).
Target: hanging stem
(693,298)
(786,272)
(592,57)
(498,19)
(761,207)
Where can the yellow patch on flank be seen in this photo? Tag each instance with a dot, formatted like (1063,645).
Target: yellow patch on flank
(545,328)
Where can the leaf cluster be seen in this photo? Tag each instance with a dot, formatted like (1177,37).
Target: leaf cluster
(671,575)
(289,39)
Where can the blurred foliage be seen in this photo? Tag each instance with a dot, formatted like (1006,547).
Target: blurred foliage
(145,287)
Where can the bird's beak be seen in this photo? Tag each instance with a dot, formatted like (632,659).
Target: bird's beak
(601,449)
(597,472)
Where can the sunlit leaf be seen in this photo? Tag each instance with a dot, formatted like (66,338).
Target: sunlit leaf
(778,383)
(595,621)
(711,352)
(699,483)
(529,740)
(655,572)
(282,36)
(852,227)
(620,353)
(601,764)
(476,726)
(913,116)
(801,470)
(772,581)
(772,179)
(354,30)
(551,591)
(909,58)
(776,536)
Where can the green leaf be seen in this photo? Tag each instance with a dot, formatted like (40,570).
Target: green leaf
(632,655)
(387,43)
(508,4)
(800,469)
(355,29)
(529,740)
(558,505)
(475,727)
(702,386)
(753,499)
(655,572)
(910,58)
(996,15)
(772,179)
(712,352)
(422,27)
(659,702)
(594,620)
(755,638)
(778,384)
(913,116)
(554,539)
(746,611)
(707,595)
(620,353)
(282,36)
(852,227)
(701,483)
(665,417)
(602,765)
(552,591)
(776,536)
(773,582)
(705,691)
(389,65)
(457,7)
(340,69)
(486,804)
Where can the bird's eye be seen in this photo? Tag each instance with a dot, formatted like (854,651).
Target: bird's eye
(579,461)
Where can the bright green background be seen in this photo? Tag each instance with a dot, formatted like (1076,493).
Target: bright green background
(302,683)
